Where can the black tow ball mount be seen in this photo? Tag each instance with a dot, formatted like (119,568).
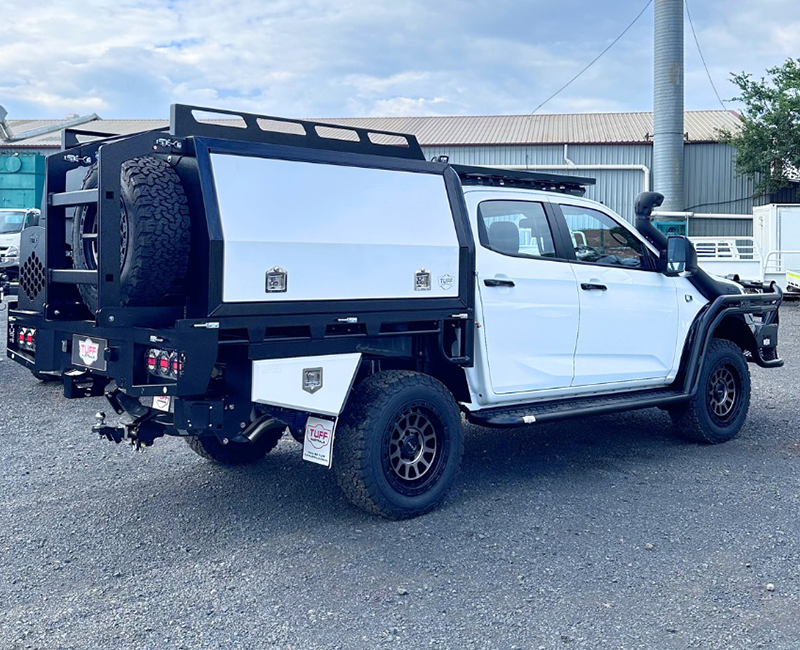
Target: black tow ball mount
(148,423)
(114,434)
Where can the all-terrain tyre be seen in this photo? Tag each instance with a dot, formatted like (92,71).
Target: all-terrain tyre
(155,234)
(235,453)
(398,445)
(718,410)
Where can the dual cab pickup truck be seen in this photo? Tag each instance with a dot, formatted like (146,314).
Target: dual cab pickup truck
(227,284)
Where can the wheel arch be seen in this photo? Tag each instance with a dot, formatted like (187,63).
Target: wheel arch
(733,328)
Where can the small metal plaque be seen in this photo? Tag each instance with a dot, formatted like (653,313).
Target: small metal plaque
(422,280)
(312,379)
(277,280)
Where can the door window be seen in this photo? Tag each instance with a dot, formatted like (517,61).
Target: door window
(598,239)
(516,228)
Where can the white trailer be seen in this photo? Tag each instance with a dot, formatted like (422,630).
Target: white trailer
(777,229)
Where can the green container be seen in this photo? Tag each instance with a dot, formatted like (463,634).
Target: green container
(21,180)
(671,227)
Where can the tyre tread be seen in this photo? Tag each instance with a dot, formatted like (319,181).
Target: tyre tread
(159,233)
(687,419)
(352,462)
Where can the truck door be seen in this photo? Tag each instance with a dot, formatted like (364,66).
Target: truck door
(529,299)
(628,310)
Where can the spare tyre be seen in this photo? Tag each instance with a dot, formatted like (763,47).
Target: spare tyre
(155,234)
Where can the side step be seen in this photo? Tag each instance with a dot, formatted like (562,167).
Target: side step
(521,414)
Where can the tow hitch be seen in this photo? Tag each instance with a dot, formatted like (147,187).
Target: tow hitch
(148,423)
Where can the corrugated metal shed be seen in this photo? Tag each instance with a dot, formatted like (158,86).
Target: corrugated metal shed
(593,139)
(580,128)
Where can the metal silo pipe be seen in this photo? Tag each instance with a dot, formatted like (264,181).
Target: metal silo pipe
(668,126)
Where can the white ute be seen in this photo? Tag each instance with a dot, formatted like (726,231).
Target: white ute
(332,283)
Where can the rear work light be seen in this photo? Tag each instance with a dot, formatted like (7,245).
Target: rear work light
(166,364)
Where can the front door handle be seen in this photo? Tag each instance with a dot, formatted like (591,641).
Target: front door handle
(496,282)
(589,286)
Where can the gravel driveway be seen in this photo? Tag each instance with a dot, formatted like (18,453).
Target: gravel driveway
(605,533)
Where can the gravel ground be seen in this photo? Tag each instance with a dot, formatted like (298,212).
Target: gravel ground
(605,533)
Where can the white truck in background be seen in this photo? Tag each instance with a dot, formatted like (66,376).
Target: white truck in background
(12,223)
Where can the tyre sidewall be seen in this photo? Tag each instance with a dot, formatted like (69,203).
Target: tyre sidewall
(380,414)
(723,355)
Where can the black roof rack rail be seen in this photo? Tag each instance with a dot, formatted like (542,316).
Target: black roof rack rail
(494,177)
(69,137)
(187,120)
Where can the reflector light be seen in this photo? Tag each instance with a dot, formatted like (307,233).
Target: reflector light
(177,366)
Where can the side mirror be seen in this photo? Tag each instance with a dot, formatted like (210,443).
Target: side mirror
(681,256)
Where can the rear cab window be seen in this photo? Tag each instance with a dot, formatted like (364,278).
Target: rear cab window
(515,228)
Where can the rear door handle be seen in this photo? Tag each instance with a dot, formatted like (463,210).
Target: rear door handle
(589,286)
(495,282)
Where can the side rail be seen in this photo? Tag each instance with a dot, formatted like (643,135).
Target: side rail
(780,266)
(729,256)
(762,305)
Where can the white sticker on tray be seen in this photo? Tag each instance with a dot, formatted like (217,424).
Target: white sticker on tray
(162,403)
(318,441)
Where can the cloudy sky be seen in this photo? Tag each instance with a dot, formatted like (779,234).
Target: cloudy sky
(132,58)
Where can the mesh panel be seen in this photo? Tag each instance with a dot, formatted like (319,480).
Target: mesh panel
(31,277)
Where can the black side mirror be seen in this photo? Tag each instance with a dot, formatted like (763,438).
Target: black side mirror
(681,256)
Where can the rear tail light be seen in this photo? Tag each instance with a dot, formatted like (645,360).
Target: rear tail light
(166,364)
(152,360)
(25,338)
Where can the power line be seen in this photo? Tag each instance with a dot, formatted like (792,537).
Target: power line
(596,59)
(702,58)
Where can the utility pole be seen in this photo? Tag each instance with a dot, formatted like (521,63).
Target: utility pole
(668,126)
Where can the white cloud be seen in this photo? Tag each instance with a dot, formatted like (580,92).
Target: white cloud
(126,58)
(407,106)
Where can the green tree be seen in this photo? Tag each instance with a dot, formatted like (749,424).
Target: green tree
(768,144)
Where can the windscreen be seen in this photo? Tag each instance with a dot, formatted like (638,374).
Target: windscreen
(11,222)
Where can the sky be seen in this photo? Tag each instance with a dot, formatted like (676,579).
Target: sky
(326,58)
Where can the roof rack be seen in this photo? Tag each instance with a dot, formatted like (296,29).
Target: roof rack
(494,177)
(187,120)
(70,137)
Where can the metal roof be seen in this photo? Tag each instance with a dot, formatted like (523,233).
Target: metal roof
(577,128)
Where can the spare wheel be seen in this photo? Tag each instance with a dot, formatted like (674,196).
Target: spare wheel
(155,234)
